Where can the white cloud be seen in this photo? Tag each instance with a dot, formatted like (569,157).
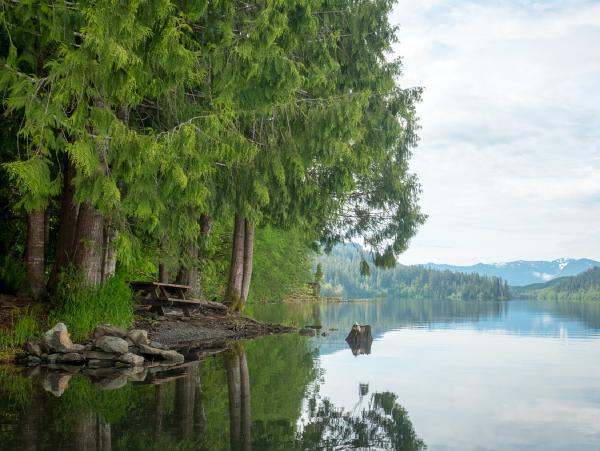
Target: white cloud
(509,157)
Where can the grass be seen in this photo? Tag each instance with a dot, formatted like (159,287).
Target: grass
(82,307)
(28,323)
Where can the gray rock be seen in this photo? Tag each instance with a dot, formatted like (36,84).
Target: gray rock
(111,344)
(32,348)
(116,380)
(33,360)
(97,363)
(137,373)
(58,339)
(149,350)
(171,356)
(139,336)
(156,344)
(108,329)
(52,357)
(70,357)
(56,383)
(131,359)
(100,355)
(64,367)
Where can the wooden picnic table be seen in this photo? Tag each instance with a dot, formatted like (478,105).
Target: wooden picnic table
(160,295)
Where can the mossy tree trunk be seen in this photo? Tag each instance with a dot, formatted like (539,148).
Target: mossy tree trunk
(240,272)
(35,253)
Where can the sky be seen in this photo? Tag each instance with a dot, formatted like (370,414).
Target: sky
(509,156)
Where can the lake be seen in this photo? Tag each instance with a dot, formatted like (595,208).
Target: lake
(439,375)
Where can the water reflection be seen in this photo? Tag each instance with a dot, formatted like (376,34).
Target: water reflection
(381,424)
(451,375)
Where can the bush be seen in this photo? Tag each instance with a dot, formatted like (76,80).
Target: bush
(82,307)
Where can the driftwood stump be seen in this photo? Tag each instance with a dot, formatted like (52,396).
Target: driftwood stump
(360,339)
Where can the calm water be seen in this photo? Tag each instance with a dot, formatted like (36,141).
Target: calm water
(521,375)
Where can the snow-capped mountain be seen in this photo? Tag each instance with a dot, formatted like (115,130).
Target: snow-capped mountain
(523,272)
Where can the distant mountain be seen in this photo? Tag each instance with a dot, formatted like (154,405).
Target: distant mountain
(521,272)
(582,287)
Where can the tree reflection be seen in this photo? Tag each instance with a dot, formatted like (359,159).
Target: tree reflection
(383,424)
(238,382)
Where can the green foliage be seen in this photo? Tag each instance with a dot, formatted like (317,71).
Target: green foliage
(583,287)
(82,307)
(382,424)
(27,324)
(344,276)
(282,262)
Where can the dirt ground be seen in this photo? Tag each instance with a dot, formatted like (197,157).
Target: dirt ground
(204,330)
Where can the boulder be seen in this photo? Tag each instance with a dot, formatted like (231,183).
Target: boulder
(32,348)
(108,329)
(32,360)
(139,336)
(100,355)
(52,358)
(97,363)
(70,357)
(112,382)
(156,344)
(109,343)
(56,383)
(131,359)
(171,356)
(58,339)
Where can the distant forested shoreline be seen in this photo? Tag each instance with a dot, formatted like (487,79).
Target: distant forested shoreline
(583,287)
(348,272)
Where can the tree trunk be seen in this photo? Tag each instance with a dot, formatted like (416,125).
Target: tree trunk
(188,272)
(185,396)
(233,297)
(109,252)
(163,272)
(248,255)
(88,244)
(35,253)
(232,363)
(67,227)
(245,401)
(159,404)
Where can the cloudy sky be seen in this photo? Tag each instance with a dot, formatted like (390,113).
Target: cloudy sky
(509,158)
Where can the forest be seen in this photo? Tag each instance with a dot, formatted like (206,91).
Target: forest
(582,287)
(204,143)
(350,272)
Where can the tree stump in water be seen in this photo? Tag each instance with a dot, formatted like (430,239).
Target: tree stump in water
(360,339)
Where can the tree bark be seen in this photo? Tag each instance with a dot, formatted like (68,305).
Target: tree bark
(248,256)
(163,272)
(185,396)
(88,244)
(188,272)
(232,363)
(159,404)
(233,297)
(67,227)
(35,253)
(245,402)
(109,252)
